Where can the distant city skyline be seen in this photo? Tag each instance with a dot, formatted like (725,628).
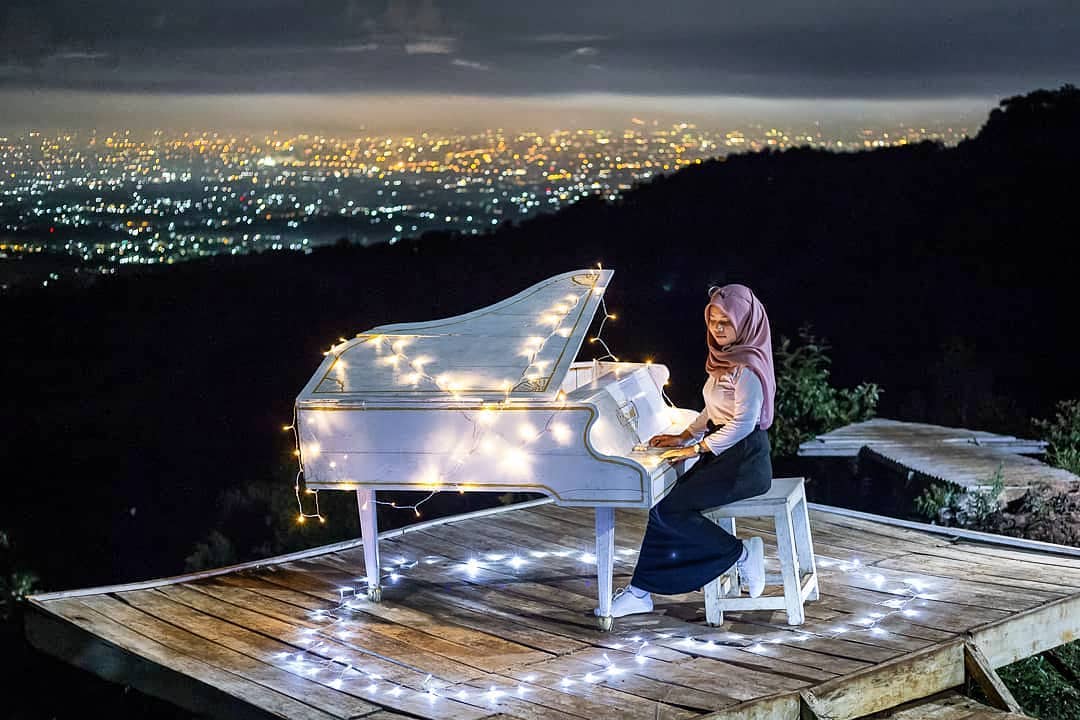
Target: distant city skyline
(406,64)
(88,202)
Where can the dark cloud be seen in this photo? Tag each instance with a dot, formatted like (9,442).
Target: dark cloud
(828,48)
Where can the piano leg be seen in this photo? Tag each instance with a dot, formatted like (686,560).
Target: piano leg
(369,531)
(605,554)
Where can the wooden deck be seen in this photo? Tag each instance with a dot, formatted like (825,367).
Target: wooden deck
(966,458)
(490,616)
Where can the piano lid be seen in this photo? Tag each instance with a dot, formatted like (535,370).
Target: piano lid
(520,347)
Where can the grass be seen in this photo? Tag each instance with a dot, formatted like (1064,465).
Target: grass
(1047,686)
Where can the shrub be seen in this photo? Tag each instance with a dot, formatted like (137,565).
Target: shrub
(806,404)
(1063,435)
(949,504)
(938,502)
(14,584)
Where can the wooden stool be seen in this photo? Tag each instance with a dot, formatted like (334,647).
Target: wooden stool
(785,502)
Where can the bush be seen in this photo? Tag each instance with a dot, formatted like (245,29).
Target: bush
(259,519)
(938,502)
(806,404)
(950,504)
(1063,435)
(14,584)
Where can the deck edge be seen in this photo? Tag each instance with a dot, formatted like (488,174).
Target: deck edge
(39,598)
(974,535)
(46,633)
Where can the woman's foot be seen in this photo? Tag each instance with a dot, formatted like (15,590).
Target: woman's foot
(628,601)
(752,566)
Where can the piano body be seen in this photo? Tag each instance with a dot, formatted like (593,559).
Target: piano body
(492,400)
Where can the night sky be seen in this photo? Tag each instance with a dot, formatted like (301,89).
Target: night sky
(64,57)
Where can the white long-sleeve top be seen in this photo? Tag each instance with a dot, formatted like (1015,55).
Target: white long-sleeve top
(733,403)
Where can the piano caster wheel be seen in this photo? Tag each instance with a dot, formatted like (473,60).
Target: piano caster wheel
(604,623)
(374,594)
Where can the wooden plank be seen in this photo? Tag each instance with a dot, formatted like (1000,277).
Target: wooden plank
(752,660)
(524,535)
(527,703)
(448,613)
(979,670)
(485,654)
(624,691)
(1050,580)
(949,705)
(521,584)
(610,699)
(407,691)
(636,684)
(567,534)
(1039,555)
(700,673)
(783,706)
(524,599)
(815,635)
(994,557)
(948,589)
(839,646)
(590,700)
(309,690)
(933,619)
(260,635)
(1014,638)
(887,685)
(495,653)
(1025,556)
(92,642)
(483,599)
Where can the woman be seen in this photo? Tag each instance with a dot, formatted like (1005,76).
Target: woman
(682,550)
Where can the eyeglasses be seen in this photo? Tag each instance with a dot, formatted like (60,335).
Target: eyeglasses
(713,289)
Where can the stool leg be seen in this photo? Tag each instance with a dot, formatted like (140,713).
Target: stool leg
(714,616)
(714,590)
(735,587)
(804,544)
(789,567)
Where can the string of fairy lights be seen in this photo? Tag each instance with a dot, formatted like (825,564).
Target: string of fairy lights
(321,658)
(325,654)
(391,349)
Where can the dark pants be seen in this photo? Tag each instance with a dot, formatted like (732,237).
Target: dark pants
(682,550)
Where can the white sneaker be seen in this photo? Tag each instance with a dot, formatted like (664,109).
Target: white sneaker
(752,569)
(624,602)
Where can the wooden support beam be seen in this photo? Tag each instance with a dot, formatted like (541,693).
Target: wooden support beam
(979,670)
(1030,632)
(910,677)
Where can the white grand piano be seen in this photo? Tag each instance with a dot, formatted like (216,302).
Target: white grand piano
(493,401)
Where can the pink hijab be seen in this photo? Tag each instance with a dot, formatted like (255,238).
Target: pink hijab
(753,342)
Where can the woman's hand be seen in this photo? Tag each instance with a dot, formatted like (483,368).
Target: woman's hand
(668,440)
(679,453)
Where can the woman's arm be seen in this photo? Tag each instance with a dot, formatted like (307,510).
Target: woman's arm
(697,428)
(748,400)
